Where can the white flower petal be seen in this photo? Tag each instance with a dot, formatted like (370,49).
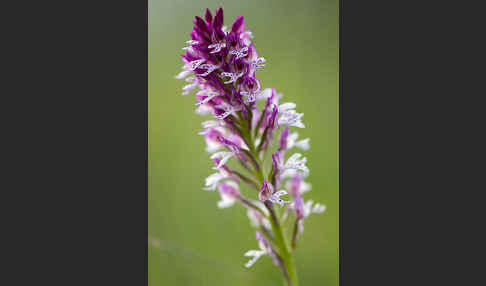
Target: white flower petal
(203,109)
(243,52)
(217,47)
(280,193)
(212,181)
(291,118)
(228,110)
(266,93)
(304,187)
(210,124)
(252,261)
(212,146)
(188,88)
(225,203)
(286,106)
(223,156)
(294,162)
(252,253)
(207,99)
(256,255)
(275,198)
(318,208)
(182,74)
(194,64)
(209,69)
(233,76)
(303,144)
(192,42)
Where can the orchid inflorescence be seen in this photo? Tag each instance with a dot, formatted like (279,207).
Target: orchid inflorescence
(223,65)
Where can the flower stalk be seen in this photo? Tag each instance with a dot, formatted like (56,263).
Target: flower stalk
(284,251)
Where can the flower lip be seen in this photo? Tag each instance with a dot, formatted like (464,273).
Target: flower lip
(275,198)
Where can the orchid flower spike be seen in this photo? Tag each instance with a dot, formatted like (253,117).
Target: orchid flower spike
(220,64)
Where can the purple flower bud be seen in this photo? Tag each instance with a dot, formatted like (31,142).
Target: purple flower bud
(265,191)
(208,16)
(282,142)
(299,207)
(252,52)
(218,19)
(272,124)
(202,30)
(229,194)
(277,161)
(231,145)
(249,84)
(294,186)
(267,109)
(238,25)
(273,121)
(213,134)
(229,189)
(277,168)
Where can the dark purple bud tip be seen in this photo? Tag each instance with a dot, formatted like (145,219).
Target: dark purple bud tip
(208,16)
(218,19)
(199,22)
(238,25)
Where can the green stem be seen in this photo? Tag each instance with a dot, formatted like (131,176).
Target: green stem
(290,272)
(295,233)
(246,135)
(249,181)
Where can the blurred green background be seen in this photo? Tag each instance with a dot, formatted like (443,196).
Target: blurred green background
(194,242)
